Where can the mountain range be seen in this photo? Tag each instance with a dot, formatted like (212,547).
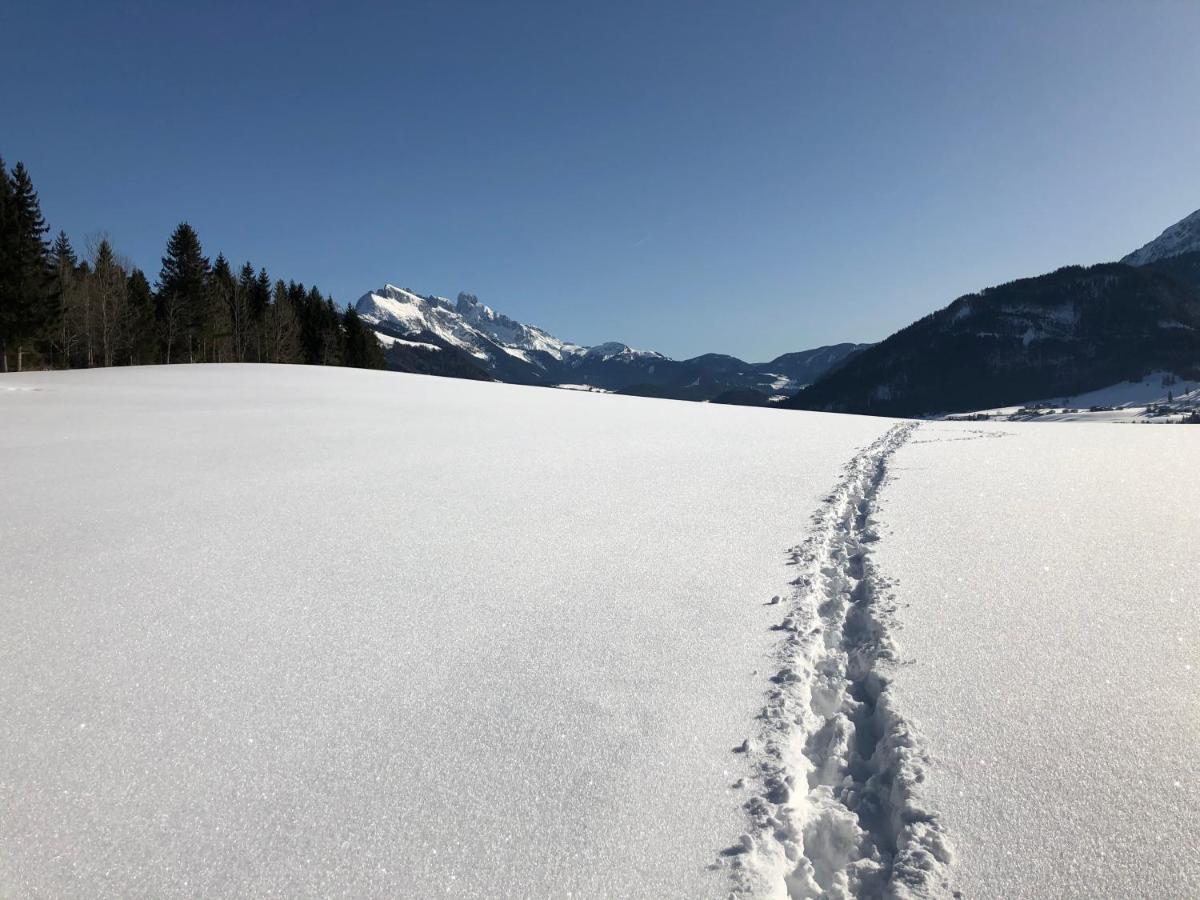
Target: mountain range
(1063,333)
(1072,330)
(467,338)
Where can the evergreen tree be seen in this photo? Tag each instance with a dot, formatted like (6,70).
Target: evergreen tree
(8,274)
(64,265)
(331,330)
(360,347)
(62,254)
(182,292)
(108,293)
(222,320)
(307,321)
(140,319)
(281,331)
(259,307)
(27,303)
(249,312)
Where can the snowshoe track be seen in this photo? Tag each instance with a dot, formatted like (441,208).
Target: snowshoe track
(836,811)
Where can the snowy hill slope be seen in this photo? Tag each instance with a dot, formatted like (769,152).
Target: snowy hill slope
(1182,237)
(295,631)
(1160,397)
(1063,333)
(309,631)
(1070,331)
(515,352)
(1050,602)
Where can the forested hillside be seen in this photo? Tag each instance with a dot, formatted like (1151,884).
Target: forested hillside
(1060,334)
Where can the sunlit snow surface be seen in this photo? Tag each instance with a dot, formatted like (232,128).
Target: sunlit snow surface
(288,631)
(1048,583)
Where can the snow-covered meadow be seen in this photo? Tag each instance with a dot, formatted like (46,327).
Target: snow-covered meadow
(288,631)
(1048,584)
(295,631)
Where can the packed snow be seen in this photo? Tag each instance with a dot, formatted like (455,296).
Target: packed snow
(1047,587)
(295,631)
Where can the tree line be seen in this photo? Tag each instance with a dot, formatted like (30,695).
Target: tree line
(62,310)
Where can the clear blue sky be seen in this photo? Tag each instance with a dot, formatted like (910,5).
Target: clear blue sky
(688,176)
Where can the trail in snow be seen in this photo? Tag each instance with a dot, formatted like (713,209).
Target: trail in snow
(836,811)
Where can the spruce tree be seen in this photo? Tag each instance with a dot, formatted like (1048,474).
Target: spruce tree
(8,252)
(27,303)
(62,254)
(360,347)
(182,292)
(331,330)
(281,342)
(250,315)
(259,309)
(307,320)
(63,266)
(140,319)
(253,298)
(109,297)
(223,314)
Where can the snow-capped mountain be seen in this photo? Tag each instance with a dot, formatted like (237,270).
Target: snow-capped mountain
(477,338)
(1182,237)
(467,324)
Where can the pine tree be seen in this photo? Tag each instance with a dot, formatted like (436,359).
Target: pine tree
(360,347)
(222,324)
(27,303)
(331,330)
(308,314)
(63,265)
(139,318)
(281,343)
(183,292)
(259,307)
(108,282)
(246,286)
(8,273)
(62,254)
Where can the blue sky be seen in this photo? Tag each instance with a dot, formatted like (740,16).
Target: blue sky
(690,176)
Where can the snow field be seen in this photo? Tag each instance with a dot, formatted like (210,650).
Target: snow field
(285,631)
(1048,588)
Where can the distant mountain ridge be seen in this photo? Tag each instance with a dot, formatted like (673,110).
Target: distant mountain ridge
(1059,334)
(1182,237)
(472,336)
